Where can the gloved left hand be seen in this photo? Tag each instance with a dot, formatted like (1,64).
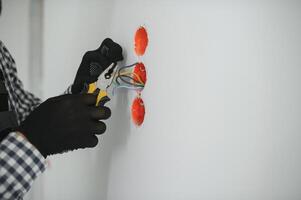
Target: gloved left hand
(65,123)
(95,62)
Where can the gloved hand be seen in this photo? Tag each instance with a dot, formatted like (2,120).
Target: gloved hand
(64,123)
(95,62)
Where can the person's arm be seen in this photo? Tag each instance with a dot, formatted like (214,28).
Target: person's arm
(20,163)
(20,100)
(53,127)
(49,129)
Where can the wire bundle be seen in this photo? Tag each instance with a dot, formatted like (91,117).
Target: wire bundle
(127,77)
(133,77)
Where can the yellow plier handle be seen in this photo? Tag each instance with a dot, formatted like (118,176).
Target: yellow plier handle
(102,96)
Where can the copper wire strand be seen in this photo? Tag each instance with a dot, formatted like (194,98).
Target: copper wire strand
(136,76)
(122,73)
(122,78)
(137,89)
(129,66)
(119,70)
(122,68)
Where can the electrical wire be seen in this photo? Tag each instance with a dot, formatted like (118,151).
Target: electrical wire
(136,76)
(127,87)
(123,78)
(129,66)
(130,78)
(127,82)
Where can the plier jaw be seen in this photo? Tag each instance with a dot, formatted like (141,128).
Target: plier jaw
(105,80)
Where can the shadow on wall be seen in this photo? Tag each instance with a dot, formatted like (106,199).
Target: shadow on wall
(115,139)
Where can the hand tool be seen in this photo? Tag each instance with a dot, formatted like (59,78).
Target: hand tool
(105,80)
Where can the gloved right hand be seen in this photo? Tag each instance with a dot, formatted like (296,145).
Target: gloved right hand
(64,123)
(95,62)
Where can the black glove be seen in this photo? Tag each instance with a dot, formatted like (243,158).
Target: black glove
(95,62)
(64,123)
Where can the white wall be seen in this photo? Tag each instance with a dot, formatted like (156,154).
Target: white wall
(222,100)
(71,27)
(14,33)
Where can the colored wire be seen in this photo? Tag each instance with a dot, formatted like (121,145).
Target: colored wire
(119,76)
(131,84)
(128,82)
(127,87)
(129,66)
(130,78)
(126,77)
(136,76)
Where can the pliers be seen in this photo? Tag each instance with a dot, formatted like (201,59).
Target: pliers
(104,82)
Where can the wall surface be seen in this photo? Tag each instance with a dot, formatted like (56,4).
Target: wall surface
(72,27)
(223,100)
(14,33)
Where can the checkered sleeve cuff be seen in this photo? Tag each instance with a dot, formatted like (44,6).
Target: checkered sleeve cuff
(20,163)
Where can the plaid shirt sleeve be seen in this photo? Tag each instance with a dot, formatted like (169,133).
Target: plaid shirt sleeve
(20,164)
(20,161)
(20,101)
